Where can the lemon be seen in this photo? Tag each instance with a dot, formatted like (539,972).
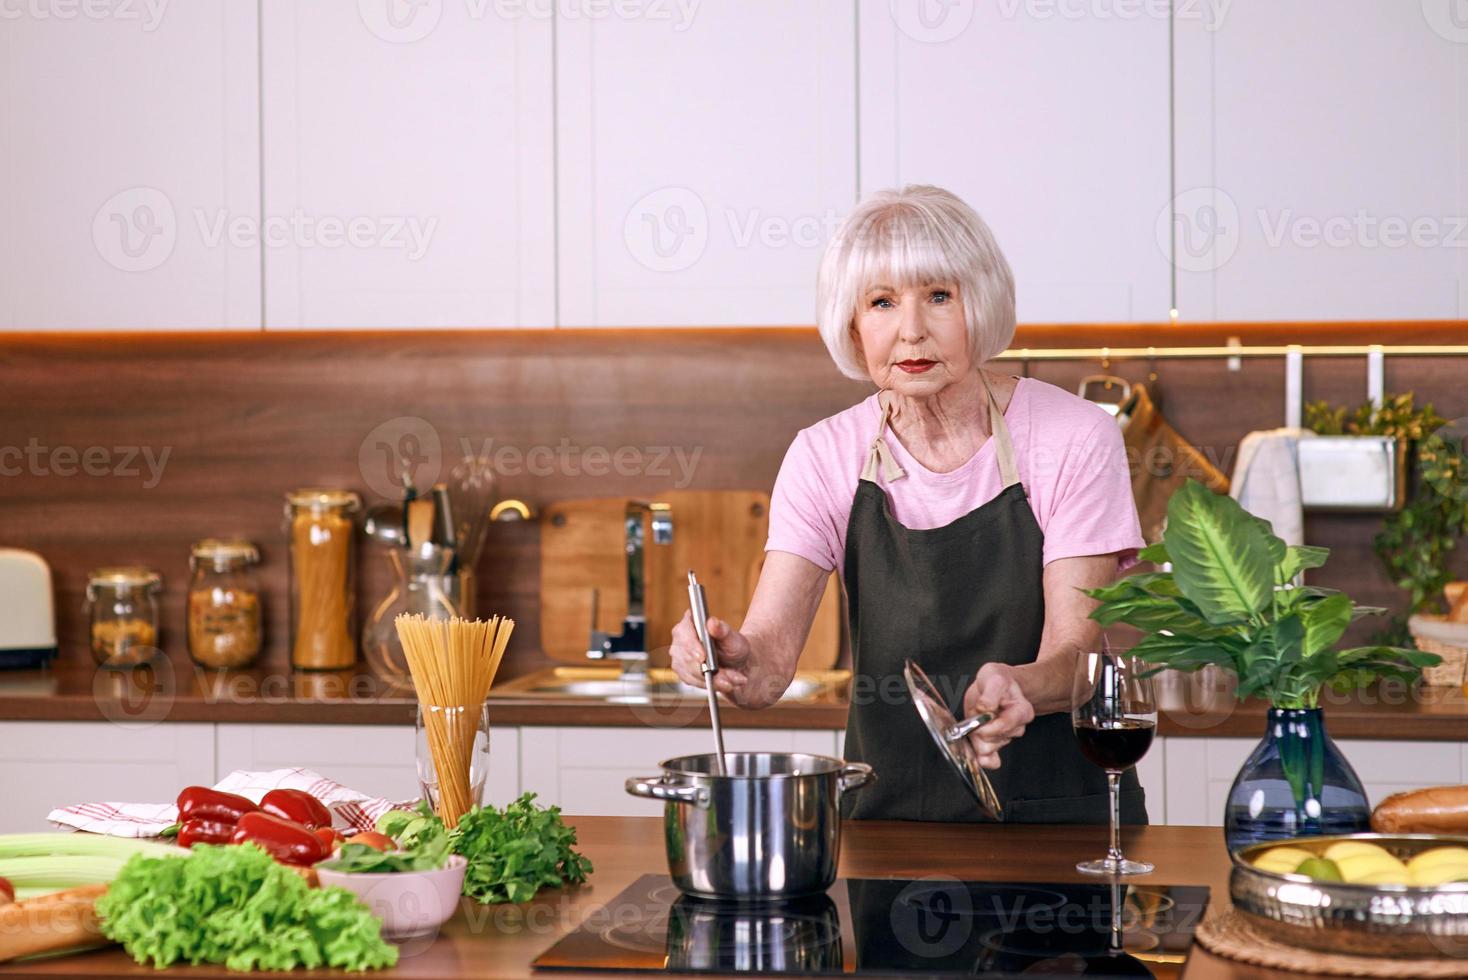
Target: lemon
(1357,868)
(1437,874)
(1320,869)
(1437,856)
(1348,848)
(1282,858)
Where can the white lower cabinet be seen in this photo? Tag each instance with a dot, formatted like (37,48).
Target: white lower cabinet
(1199,771)
(375,759)
(584,770)
(49,764)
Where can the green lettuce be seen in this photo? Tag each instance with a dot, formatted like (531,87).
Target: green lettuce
(233,904)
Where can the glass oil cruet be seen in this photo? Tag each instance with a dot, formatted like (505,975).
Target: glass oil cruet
(421,585)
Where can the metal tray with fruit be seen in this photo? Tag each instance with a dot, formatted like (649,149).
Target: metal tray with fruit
(1367,894)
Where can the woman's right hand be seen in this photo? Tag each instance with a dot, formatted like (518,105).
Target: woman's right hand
(730,647)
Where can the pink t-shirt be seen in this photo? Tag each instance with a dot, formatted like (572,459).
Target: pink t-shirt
(1071,461)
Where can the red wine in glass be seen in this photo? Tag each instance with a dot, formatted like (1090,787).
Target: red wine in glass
(1114,714)
(1117,745)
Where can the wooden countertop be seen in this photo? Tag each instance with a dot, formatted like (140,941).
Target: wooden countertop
(501,941)
(183,692)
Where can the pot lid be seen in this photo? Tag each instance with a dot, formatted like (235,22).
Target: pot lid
(951,737)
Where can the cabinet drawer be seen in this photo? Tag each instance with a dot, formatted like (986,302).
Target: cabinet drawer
(45,764)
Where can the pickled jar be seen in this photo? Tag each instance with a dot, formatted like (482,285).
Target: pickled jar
(321,528)
(224,603)
(122,610)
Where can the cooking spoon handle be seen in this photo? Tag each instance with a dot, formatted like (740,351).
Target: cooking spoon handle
(699,604)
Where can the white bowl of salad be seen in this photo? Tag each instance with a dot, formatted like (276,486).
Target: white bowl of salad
(413,889)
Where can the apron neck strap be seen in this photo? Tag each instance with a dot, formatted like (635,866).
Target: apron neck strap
(999,432)
(879,457)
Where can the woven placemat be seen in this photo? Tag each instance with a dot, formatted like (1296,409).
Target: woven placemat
(1229,934)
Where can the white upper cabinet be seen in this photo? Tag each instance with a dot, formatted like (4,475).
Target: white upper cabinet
(707,149)
(1321,162)
(130,136)
(408,164)
(1051,120)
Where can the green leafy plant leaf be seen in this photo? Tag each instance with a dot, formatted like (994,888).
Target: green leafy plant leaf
(1298,558)
(1155,553)
(1220,605)
(1221,555)
(1325,622)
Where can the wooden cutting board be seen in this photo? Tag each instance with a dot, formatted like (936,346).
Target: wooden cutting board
(720,534)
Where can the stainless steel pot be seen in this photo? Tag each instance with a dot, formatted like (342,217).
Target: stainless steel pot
(769,829)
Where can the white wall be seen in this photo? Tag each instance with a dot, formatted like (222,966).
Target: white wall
(647,162)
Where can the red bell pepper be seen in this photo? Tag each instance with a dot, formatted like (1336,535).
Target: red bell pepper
(329,837)
(284,840)
(297,805)
(203,803)
(205,832)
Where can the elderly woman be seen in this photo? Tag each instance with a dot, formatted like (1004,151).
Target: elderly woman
(966,509)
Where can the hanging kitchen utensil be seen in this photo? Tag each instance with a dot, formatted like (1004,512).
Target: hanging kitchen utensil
(951,737)
(699,604)
(1108,381)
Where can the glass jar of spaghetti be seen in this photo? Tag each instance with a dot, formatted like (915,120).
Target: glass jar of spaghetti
(122,610)
(321,527)
(224,603)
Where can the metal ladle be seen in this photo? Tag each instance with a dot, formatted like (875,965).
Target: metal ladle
(698,602)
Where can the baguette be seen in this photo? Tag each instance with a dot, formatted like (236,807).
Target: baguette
(1436,810)
(51,923)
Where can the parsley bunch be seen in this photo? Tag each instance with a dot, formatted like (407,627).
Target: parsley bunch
(511,853)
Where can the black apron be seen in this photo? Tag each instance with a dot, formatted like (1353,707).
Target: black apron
(954,598)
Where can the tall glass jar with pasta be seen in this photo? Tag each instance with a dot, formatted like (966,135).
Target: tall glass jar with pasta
(321,526)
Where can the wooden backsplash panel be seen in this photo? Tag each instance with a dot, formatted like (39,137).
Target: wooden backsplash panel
(246,417)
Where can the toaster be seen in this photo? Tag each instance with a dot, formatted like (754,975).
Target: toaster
(27,611)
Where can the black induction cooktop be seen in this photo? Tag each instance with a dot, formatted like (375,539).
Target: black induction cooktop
(933,927)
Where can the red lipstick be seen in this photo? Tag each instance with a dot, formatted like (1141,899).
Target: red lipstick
(915,366)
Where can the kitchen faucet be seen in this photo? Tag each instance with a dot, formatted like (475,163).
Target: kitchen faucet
(629,647)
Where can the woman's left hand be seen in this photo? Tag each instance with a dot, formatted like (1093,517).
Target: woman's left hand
(996,691)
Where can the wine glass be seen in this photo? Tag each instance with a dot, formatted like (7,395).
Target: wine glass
(1114,717)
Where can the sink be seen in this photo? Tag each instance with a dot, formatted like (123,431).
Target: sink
(607,684)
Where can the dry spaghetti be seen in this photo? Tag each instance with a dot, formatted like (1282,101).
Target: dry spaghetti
(453,663)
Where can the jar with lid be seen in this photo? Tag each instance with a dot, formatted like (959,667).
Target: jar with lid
(122,610)
(321,527)
(224,603)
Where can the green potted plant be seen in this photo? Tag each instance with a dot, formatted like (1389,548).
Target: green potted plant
(1230,600)
(1416,542)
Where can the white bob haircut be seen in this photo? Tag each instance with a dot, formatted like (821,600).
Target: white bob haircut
(911,237)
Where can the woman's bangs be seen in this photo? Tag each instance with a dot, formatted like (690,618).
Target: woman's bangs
(902,249)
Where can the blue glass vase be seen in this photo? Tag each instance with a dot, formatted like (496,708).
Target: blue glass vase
(1296,783)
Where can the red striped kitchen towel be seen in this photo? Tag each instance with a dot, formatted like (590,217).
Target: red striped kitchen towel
(349,808)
